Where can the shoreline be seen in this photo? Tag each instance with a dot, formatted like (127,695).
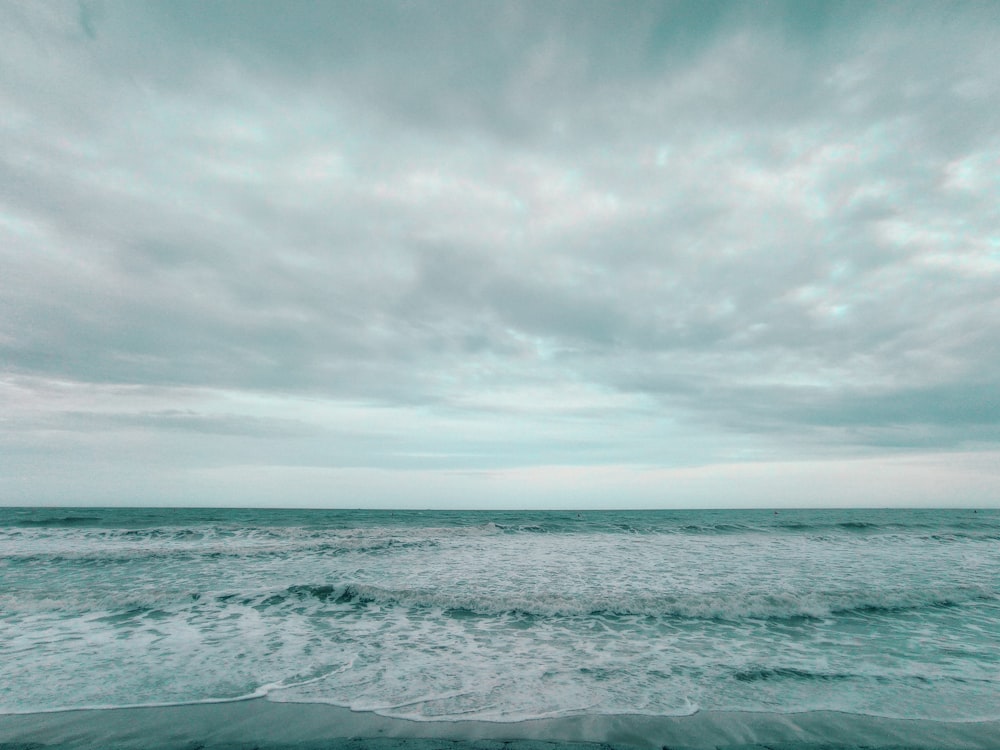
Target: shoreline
(263,724)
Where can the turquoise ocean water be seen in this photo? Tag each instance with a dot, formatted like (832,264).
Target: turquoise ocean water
(504,616)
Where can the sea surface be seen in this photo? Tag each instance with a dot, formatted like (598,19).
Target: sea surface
(504,616)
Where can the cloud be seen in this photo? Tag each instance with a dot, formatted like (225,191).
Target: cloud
(190,421)
(727,230)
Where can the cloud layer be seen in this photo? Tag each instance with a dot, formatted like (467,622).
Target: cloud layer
(490,237)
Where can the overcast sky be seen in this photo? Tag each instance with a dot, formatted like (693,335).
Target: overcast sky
(487,254)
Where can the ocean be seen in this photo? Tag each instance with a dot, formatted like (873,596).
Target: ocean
(504,617)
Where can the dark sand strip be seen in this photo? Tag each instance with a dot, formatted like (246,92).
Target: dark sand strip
(294,726)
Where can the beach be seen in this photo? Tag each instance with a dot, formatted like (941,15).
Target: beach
(268,725)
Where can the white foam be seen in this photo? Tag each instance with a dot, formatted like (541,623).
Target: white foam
(479,622)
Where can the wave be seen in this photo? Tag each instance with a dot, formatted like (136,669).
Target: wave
(721,605)
(769,674)
(848,526)
(49,529)
(716,528)
(963,536)
(193,544)
(59,521)
(245,525)
(762,674)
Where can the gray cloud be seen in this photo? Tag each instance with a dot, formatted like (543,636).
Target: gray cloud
(191,421)
(769,227)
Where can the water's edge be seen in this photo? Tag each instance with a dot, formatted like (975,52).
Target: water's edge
(263,724)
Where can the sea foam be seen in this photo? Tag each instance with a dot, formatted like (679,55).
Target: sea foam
(468,616)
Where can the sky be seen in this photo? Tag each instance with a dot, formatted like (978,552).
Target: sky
(500,254)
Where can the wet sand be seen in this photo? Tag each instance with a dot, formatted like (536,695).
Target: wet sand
(267,725)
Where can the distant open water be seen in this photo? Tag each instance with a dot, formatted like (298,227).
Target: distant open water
(504,615)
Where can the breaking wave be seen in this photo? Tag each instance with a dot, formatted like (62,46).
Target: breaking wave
(719,606)
(729,606)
